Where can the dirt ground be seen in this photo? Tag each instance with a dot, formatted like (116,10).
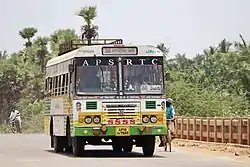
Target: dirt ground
(237,150)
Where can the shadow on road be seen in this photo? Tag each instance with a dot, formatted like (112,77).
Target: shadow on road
(105,154)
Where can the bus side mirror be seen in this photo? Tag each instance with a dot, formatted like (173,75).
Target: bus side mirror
(71,68)
(167,76)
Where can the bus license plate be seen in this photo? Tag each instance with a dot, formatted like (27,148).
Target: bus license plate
(122,131)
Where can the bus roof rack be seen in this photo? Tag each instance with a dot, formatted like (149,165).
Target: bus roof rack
(75,44)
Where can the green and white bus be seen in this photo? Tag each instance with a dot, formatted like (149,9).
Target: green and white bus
(105,93)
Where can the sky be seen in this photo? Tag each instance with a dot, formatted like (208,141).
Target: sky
(186,26)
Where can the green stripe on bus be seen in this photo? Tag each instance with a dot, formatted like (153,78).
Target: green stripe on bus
(134,131)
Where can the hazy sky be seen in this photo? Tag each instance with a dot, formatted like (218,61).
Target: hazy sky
(187,26)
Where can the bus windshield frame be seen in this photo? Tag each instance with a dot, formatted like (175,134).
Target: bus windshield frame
(143,72)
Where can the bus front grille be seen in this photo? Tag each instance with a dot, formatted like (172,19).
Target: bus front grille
(121,110)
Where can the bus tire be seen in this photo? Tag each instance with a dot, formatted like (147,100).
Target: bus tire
(78,146)
(148,147)
(58,143)
(68,143)
(116,145)
(128,146)
(117,148)
(51,132)
(69,149)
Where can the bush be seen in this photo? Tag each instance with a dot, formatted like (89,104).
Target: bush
(31,125)
(34,124)
(4,128)
(193,101)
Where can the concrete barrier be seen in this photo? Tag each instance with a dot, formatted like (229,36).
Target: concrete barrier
(219,130)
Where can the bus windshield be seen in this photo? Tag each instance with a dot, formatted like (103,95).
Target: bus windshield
(96,76)
(143,75)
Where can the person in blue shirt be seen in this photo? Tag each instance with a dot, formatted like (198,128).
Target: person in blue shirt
(170,116)
(169,109)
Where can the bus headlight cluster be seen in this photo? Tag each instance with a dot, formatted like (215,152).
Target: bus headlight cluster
(88,120)
(146,119)
(95,119)
(153,119)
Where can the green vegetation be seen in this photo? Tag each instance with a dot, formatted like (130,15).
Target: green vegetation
(215,83)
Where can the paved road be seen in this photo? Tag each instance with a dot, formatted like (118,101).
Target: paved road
(31,150)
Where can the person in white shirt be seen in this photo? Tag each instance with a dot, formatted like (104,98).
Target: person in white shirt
(15,116)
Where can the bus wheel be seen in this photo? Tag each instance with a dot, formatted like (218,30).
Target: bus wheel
(128,146)
(69,149)
(148,147)
(68,143)
(58,143)
(117,146)
(78,146)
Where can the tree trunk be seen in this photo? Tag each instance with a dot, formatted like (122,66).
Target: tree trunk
(89,41)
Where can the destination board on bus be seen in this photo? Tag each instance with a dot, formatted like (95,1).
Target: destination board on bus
(119,50)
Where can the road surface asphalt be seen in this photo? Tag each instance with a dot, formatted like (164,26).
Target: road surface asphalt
(32,150)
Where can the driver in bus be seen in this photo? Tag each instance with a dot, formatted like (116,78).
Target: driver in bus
(90,80)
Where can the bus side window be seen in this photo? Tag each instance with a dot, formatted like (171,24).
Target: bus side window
(67,82)
(63,84)
(46,85)
(50,86)
(56,85)
(53,87)
(59,84)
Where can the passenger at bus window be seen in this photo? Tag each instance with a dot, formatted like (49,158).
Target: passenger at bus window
(145,80)
(138,81)
(78,106)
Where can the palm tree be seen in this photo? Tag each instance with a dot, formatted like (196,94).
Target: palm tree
(182,62)
(3,54)
(88,30)
(42,51)
(164,49)
(165,52)
(224,46)
(243,48)
(59,37)
(210,51)
(28,33)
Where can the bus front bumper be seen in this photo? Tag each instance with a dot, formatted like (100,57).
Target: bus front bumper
(120,130)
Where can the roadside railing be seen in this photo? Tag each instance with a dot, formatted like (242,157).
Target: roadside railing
(219,130)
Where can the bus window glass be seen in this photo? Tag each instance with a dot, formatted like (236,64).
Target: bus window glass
(96,76)
(67,83)
(143,75)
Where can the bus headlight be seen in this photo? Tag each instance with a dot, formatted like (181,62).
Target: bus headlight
(88,120)
(145,119)
(153,119)
(96,119)
(81,120)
